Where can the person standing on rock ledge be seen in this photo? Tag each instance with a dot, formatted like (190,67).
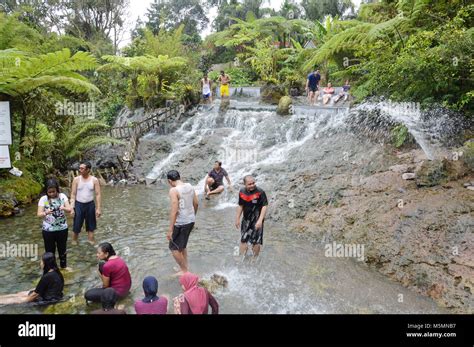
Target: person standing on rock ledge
(312,85)
(184,206)
(224,81)
(82,201)
(253,203)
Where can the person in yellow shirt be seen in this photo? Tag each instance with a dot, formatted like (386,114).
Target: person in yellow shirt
(224,81)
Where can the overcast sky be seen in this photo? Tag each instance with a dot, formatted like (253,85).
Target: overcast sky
(138,8)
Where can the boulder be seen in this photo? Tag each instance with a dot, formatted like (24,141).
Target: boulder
(8,202)
(431,173)
(468,154)
(284,106)
(214,283)
(271,94)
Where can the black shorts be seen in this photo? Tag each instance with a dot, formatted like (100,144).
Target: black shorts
(84,212)
(180,236)
(250,234)
(313,88)
(215,185)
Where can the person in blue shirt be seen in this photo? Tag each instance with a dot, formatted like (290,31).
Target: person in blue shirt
(312,83)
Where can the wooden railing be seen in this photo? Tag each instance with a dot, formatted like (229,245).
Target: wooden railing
(134,132)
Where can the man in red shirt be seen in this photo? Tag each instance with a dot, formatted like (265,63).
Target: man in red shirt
(253,203)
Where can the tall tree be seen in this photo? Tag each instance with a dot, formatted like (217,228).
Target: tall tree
(318,9)
(170,14)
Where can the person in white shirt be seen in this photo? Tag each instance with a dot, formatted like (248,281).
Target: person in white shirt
(184,206)
(206,88)
(84,187)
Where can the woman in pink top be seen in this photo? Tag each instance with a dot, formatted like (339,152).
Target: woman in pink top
(328,93)
(151,303)
(114,274)
(194,300)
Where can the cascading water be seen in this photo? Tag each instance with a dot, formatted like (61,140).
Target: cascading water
(252,139)
(431,129)
(294,275)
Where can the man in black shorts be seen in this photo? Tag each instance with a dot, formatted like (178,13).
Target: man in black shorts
(312,84)
(184,206)
(214,181)
(253,203)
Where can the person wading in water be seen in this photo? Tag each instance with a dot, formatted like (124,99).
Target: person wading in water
(184,206)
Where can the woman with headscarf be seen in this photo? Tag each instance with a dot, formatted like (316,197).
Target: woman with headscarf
(108,298)
(151,303)
(195,299)
(49,288)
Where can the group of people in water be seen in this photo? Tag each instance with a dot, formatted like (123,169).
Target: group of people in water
(328,93)
(313,90)
(206,87)
(85,206)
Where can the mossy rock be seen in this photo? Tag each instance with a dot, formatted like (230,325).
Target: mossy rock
(284,106)
(70,305)
(214,283)
(17,190)
(431,173)
(271,94)
(468,154)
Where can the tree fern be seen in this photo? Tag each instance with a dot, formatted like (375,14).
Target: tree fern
(348,40)
(52,70)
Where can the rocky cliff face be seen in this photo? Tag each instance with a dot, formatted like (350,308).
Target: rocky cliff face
(420,236)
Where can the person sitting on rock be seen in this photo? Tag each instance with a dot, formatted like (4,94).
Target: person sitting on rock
(49,289)
(195,299)
(113,272)
(108,298)
(344,92)
(328,93)
(214,180)
(151,303)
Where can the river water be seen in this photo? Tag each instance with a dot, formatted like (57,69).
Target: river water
(293,275)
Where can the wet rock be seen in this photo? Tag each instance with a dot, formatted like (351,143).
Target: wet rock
(431,173)
(294,92)
(436,172)
(468,154)
(402,168)
(271,94)
(284,106)
(455,169)
(105,164)
(408,176)
(74,166)
(215,283)
(8,203)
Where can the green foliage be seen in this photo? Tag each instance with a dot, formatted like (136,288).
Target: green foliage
(400,135)
(24,188)
(55,70)
(149,77)
(240,77)
(417,50)
(83,136)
